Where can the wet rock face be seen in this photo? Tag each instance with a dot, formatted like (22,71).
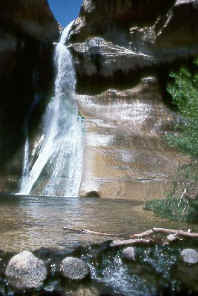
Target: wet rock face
(123,52)
(27,30)
(125,155)
(25,271)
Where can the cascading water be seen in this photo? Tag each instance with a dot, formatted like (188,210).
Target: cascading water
(26,162)
(59,163)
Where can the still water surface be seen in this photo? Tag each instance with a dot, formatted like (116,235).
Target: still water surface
(31,222)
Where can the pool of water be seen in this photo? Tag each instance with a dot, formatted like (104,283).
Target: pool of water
(31,222)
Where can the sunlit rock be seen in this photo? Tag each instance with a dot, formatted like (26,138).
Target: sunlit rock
(123,52)
(129,253)
(25,271)
(82,291)
(74,268)
(125,155)
(190,256)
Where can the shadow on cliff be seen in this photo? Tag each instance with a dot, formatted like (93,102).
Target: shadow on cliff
(25,89)
(27,30)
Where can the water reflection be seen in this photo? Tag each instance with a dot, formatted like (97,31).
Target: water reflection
(33,222)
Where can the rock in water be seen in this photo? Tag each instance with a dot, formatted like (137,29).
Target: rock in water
(74,268)
(91,291)
(189,256)
(25,271)
(129,253)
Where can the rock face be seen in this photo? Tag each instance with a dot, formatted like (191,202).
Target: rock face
(32,18)
(25,271)
(125,156)
(117,37)
(27,31)
(123,52)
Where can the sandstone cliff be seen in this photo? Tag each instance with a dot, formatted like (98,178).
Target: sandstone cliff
(115,38)
(123,51)
(27,30)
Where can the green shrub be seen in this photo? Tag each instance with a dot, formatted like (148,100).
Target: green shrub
(181,203)
(183,89)
(176,209)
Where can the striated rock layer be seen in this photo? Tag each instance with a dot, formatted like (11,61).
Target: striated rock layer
(27,30)
(123,51)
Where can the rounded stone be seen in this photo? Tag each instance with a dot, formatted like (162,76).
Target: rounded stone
(129,253)
(189,256)
(25,271)
(171,237)
(87,291)
(74,268)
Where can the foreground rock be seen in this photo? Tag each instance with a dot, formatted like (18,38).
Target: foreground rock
(110,274)
(86,292)
(25,271)
(74,268)
(129,253)
(190,256)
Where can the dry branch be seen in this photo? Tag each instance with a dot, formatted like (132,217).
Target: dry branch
(119,243)
(166,231)
(138,237)
(177,232)
(94,232)
(143,234)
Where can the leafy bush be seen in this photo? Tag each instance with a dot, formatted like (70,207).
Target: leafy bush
(183,89)
(181,203)
(182,210)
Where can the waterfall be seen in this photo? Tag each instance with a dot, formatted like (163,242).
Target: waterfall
(26,162)
(58,166)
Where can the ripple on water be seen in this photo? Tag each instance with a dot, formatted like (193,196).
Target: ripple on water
(31,222)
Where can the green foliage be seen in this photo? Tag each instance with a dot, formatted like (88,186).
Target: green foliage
(175,209)
(182,201)
(184,92)
(170,208)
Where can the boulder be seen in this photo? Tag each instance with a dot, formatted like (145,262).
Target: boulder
(189,256)
(74,268)
(25,271)
(171,237)
(129,253)
(84,291)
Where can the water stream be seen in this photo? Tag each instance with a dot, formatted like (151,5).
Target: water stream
(57,169)
(31,222)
